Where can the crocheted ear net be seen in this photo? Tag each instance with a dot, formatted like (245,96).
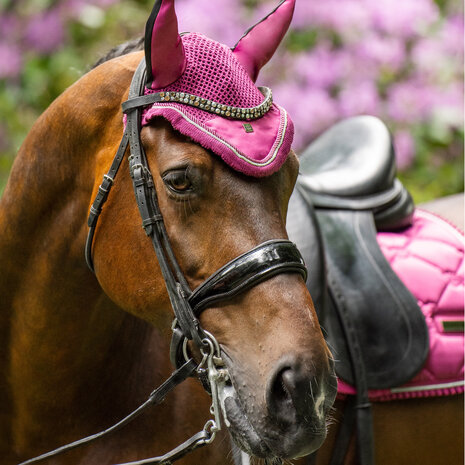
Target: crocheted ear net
(214,80)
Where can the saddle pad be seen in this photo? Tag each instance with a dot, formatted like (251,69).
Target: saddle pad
(429,259)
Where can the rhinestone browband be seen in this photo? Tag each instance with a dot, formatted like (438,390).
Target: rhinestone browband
(227,111)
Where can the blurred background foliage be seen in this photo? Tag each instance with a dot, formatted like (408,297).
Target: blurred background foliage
(401,60)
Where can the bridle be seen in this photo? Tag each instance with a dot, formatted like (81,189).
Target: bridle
(249,269)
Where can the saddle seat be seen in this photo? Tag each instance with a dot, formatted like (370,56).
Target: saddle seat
(346,192)
(352,166)
(354,158)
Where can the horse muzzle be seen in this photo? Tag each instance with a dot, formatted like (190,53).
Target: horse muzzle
(286,418)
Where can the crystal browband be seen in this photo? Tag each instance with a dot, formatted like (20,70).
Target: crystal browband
(227,111)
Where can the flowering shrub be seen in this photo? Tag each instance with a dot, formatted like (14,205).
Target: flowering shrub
(401,61)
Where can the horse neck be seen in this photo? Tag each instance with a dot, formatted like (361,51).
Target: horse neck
(53,312)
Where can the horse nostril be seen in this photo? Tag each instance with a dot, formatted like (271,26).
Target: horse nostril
(282,385)
(281,394)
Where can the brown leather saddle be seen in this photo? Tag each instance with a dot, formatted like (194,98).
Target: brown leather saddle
(347,190)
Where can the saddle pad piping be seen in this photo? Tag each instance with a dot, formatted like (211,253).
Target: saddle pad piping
(440,386)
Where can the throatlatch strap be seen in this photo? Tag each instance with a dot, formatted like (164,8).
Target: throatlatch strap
(101,198)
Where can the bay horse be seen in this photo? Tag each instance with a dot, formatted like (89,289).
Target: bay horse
(80,350)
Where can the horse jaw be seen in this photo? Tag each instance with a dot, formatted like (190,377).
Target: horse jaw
(282,383)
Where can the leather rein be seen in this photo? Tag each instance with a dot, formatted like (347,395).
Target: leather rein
(240,274)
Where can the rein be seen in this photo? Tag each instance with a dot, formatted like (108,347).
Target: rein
(240,274)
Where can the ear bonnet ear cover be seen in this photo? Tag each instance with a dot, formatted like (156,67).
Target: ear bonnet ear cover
(208,92)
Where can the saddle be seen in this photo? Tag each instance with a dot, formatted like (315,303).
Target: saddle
(346,191)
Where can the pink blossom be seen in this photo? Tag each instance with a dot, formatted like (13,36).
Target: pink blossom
(410,101)
(73,8)
(321,67)
(451,36)
(358,99)
(201,16)
(334,14)
(448,102)
(404,146)
(9,27)
(45,32)
(381,51)
(10,61)
(428,55)
(403,19)
(312,110)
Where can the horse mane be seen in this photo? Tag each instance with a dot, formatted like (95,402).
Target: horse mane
(133,45)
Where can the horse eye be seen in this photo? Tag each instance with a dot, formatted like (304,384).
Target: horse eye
(178,181)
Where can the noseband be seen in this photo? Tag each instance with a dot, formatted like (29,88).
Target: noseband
(249,269)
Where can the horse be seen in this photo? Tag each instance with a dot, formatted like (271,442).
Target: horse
(81,349)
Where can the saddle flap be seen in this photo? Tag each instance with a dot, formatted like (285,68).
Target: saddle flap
(376,313)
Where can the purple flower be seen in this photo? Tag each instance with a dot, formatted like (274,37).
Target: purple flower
(447,105)
(10,61)
(321,67)
(410,101)
(72,8)
(311,110)
(45,32)
(451,36)
(358,99)
(200,16)
(381,51)
(9,27)
(404,146)
(405,19)
(334,14)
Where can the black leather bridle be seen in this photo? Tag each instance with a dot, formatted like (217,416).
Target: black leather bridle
(262,262)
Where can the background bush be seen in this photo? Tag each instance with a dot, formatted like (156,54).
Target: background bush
(401,60)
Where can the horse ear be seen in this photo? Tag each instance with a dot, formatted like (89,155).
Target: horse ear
(164,52)
(259,43)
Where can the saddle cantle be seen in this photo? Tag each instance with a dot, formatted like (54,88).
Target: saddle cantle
(345,192)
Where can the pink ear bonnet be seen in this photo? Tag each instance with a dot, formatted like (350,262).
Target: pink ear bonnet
(207,91)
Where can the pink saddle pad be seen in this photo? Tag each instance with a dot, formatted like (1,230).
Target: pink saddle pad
(429,259)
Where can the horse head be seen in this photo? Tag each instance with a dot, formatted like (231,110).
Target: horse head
(222,185)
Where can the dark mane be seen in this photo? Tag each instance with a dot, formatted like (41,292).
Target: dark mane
(133,45)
